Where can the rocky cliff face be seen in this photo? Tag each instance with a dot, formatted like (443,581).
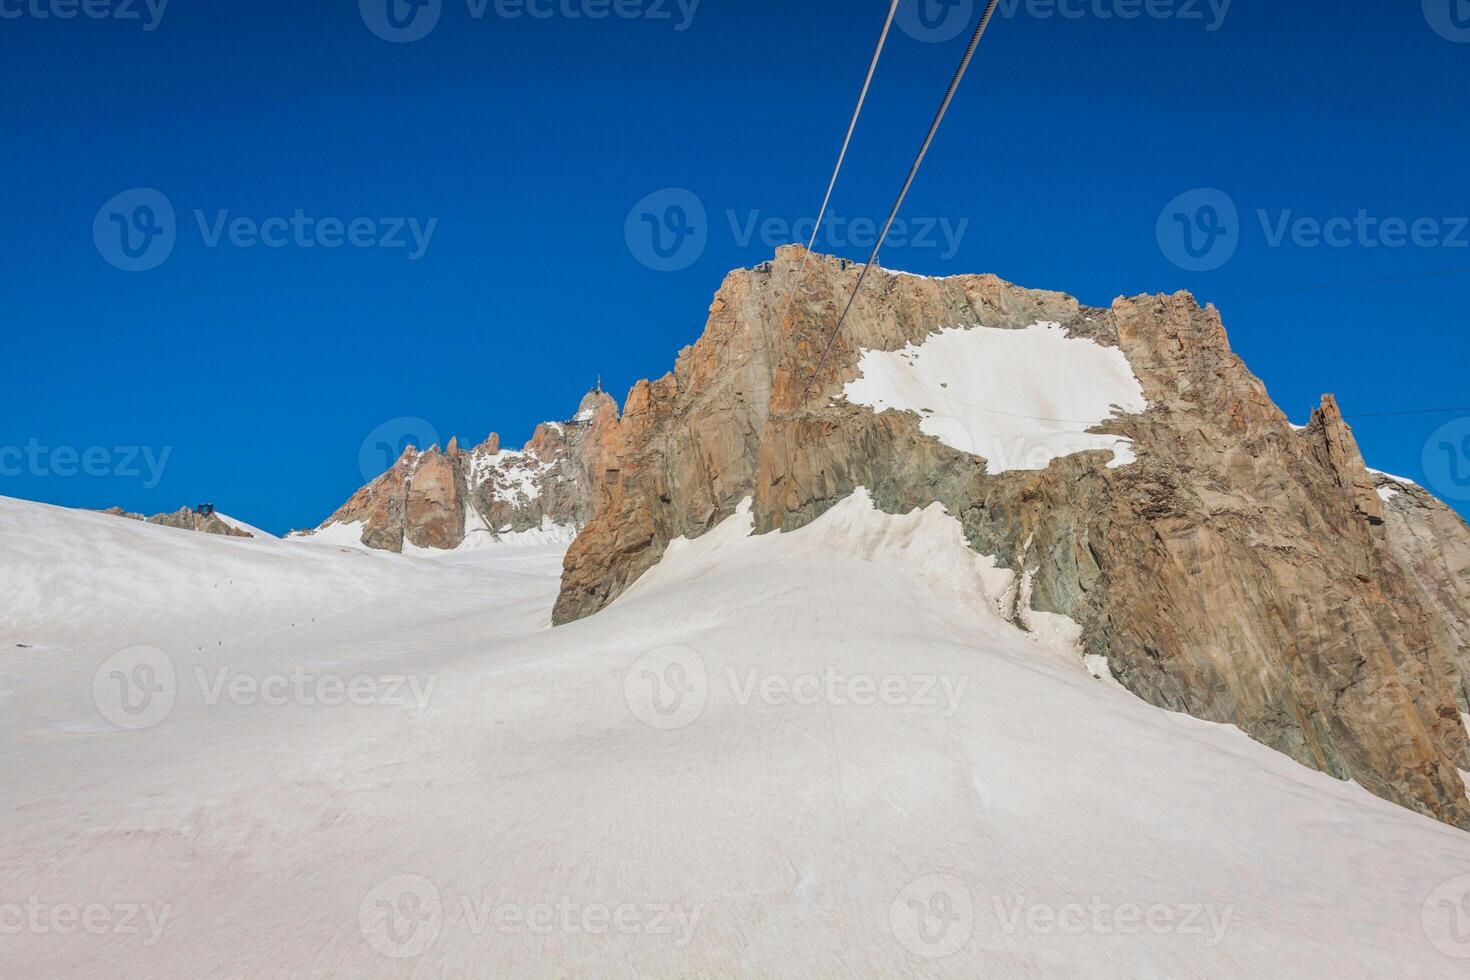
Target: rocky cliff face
(1225,563)
(445,499)
(1432,542)
(187,519)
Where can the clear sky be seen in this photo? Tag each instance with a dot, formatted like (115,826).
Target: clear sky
(517,146)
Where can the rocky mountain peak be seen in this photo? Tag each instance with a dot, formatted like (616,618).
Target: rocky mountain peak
(1121,462)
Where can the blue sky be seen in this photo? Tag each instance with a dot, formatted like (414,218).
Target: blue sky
(518,146)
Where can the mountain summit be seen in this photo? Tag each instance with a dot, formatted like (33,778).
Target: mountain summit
(1121,463)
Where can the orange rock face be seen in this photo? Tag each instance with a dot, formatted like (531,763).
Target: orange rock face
(433,511)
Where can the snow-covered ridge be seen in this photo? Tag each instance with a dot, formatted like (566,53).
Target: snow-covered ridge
(1018,398)
(240,525)
(914,275)
(1389,486)
(1396,479)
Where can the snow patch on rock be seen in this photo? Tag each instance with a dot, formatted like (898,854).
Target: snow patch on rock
(1390,486)
(519,474)
(1053,630)
(1018,398)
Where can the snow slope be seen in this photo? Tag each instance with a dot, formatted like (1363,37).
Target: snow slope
(821,753)
(478,536)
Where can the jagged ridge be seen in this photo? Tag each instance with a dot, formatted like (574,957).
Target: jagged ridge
(185,518)
(444,499)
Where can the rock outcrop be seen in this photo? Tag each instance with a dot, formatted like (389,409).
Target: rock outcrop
(1234,567)
(445,499)
(1432,542)
(185,518)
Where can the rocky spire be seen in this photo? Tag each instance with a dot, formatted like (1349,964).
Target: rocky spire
(1334,444)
